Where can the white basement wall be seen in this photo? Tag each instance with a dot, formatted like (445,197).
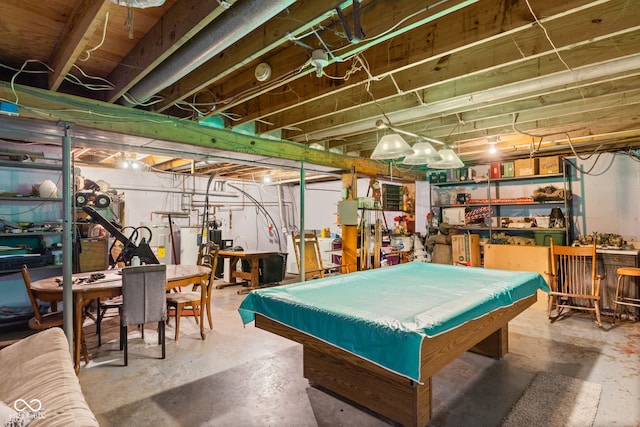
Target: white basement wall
(608,193)
(242,221)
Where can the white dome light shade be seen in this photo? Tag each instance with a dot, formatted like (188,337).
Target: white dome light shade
(450,160)
(391,146)
(423,153)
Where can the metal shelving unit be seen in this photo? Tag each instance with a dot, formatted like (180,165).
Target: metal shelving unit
(495,209)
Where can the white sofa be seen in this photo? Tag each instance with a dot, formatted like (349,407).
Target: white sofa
(37,371)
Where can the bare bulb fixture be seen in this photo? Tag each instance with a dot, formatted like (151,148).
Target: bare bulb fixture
(319,59)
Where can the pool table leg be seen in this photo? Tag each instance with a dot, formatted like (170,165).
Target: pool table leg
(366,384)
(495,345)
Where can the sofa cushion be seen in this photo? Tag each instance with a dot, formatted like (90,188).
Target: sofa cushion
(39,370)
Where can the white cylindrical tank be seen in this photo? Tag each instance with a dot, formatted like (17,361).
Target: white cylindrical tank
(189,237)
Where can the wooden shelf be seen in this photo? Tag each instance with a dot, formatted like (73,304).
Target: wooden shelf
(31,199)
(554,176)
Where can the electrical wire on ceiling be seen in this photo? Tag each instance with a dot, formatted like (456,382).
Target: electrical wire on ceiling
(151,101)
(99,45)
(108,85)
(555,49)
(569,141)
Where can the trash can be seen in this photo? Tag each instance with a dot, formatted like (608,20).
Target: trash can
(544,237)
(272,269)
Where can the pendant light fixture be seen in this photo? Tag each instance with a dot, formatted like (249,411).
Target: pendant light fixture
(450,160)
(423,154)
(391,146)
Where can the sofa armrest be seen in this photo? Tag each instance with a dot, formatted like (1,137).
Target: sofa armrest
(40,367)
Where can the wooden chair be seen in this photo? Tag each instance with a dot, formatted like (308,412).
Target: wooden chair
(573,280)
(39,321)
(195,299)
(103,306)
(205,249)
(313,264)
(625,296)
(143,301)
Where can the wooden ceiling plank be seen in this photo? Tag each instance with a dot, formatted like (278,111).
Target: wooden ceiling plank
(575,124)
(546,107)
(551,103)
(174,29)
(86,17)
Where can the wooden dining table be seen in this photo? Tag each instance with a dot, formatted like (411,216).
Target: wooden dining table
(50,290)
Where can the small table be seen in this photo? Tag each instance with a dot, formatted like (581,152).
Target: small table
(110,286)
(253,276)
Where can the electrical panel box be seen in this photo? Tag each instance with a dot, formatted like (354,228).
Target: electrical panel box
(348,212)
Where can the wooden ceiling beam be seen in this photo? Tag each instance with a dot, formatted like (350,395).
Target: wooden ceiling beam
(171,164)
(378,16)
(163,130)
(300,17)
(87,15)
(439,100)
(173,30)
(434,39)
(554,103)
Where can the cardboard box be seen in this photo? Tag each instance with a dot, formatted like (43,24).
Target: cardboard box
(551,164)
(526,167)
(93,255)
(465,249)
(508,169)
(495,171)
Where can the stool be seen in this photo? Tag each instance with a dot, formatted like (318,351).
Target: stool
(623,289)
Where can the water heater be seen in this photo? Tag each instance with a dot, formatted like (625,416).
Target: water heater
(160,242)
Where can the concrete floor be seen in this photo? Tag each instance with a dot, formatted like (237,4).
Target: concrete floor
(244,376)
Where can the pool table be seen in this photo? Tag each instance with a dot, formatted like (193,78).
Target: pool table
(377,337)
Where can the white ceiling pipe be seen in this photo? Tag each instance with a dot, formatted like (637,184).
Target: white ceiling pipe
(174,190)
(242,18)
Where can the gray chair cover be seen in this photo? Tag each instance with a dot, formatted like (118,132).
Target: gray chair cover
(143,301)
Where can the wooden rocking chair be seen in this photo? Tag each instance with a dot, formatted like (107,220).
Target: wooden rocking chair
(573,280)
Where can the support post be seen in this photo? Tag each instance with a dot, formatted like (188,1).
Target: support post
(67,239)
(302,242)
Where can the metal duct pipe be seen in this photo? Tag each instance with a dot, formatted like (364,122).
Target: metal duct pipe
(242,18)
(174,190)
